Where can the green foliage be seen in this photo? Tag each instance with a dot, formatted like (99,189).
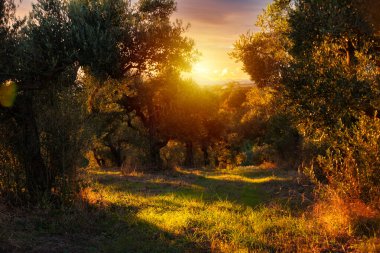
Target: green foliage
(342,21)
(114,39)
(264,54)
(45,48)
(352,163)
(41,60)
(322,59)
(173,154)
(63,147)
(12,175)
(334,75)
(160,8)
(270,127)
(59,44)
(8,34)
(97,29)
(333,85)
(261,104)
(281,134)
(328,90)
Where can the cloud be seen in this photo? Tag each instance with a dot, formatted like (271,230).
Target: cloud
(218,12)
(215,26)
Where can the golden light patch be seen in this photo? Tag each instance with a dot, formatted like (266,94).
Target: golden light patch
(214,70)
(238,178)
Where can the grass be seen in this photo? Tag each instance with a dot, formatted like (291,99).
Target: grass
(240,210)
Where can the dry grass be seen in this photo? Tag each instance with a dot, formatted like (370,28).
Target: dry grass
(348,218)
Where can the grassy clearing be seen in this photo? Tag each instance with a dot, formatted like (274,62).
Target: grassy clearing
(241,210)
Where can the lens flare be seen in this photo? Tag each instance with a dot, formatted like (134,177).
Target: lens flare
(8,92)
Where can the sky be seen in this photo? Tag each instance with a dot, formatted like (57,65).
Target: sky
(215,26)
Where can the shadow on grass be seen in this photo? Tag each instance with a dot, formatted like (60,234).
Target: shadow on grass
(135,235)
(202,187)
(146,237)
(118,227)
(90,229)
(260,173)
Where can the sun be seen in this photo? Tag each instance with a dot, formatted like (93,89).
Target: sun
(207,73)
(201,68)
(211,70)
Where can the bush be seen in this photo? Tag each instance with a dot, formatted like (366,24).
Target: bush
(12,176)
(339,216)
(63,147)
(131,165)
(284,138)
(352,163)
(262,153)
(173,154)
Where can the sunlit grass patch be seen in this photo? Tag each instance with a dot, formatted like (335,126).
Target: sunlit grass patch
(221,211)
(100,172)
(187,212)
(211,209)
(239,178)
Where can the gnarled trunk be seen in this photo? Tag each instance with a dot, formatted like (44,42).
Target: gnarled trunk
(350,53)
(116,152)
(38,180)
(98,158)
(155,155)
(189,159)
(206,157)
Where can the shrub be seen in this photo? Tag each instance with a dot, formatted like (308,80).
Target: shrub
(284,138)
(12,176)
(352,163)
(63,147)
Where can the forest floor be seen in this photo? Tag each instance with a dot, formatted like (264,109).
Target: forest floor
(248,209)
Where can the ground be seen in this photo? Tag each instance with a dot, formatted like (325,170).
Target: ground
(249,209)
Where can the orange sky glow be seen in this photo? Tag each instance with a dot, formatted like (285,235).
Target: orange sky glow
(215,26)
